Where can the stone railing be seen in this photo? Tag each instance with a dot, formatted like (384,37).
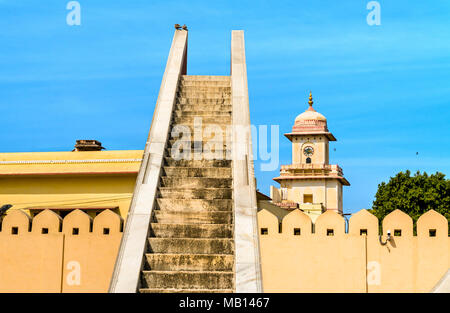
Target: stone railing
(332,169)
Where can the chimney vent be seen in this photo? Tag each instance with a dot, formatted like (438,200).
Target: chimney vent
(88,145)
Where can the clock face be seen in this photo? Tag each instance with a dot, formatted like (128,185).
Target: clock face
(308,151)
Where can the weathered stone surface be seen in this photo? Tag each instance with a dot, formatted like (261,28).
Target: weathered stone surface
(202,112)
(196,193)
(162,230)
(197,205)
(197,163)
(196,182)
(194,217)
(210,145)
(220,106)
(189,120)
(186,279)
(198,172)
(189,262)
(199,103)
(205,79)
(191,245)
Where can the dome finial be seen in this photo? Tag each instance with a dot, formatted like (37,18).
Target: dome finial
(310,102)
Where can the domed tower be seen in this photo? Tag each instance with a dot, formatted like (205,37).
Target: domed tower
(310,182)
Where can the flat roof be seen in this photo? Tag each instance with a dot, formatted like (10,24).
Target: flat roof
(70,163)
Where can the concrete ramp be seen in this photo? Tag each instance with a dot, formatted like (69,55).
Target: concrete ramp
(443,286)
(192,221)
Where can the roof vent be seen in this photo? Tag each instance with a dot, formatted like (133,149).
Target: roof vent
(88,145)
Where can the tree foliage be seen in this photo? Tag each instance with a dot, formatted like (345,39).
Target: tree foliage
(414,195)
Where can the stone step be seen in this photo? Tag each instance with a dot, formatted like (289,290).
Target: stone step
(187,279)
(191,245)
(211,93)
(196,193)
(193,217)
(219,154)
(211,107)
(177,290)
(203,95)
(205,88)
(161,230)
(205,78)
(199,153)
(199,205)
(204,144)
(196,182)
(188,128)
(205,135)
(189,262)
(215,172)
(198,102)
(207,119)
(201,113)
(196,163)
(209,83)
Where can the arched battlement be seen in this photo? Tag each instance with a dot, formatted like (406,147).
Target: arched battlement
(330,223)
(49,222)
(363,223)
(16,222)
(107,223)
(77,223)
(432,224)
(267,223)
(398,223)
(296,223)
(299,261)
(46,222)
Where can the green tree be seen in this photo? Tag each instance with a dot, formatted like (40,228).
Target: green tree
(414,195)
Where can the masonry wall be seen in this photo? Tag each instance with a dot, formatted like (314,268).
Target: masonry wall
(50,254)
(331,260)
(77,191)
(77,253)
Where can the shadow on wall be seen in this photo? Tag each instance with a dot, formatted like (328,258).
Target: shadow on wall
(296,259)
(51,254)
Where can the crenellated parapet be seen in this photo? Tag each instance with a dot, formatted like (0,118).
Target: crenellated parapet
(330,223)
(76,223)
(314,257)
(48,253)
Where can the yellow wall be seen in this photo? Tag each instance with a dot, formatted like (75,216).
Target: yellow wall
(94,179)
(58,261)
(351,262)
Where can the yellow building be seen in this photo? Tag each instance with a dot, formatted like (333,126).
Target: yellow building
(87,178)
(310,182)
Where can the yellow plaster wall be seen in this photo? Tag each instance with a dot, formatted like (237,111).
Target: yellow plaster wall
(84,179)
(58,261)
(351,262)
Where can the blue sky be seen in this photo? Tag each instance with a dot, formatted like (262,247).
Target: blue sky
(384,89)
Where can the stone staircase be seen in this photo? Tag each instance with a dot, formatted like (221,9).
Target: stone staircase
(191,245)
